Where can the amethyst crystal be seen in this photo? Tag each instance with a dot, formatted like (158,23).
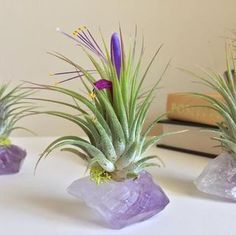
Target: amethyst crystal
(11,159)
(219,177)
(122,203)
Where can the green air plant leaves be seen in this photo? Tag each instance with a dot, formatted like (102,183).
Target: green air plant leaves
(13,107)
(114,116)
(225,86)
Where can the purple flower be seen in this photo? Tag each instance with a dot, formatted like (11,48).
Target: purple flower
(103,84)
(116,52)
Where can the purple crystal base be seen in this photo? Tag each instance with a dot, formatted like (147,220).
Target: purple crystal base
(219,177)
(121,203)
(11,159)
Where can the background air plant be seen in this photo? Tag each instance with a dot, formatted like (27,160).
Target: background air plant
(218,177)
(115,111)
(13,107)
(225,86)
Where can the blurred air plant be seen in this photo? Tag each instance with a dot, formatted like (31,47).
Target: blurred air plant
(13,107)
(225,86)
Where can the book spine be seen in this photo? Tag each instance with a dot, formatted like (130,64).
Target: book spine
(179,108)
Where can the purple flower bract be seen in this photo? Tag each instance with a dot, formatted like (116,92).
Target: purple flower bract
(116,52)
(103,84)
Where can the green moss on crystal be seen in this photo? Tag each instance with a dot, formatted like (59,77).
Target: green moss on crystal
(99,175)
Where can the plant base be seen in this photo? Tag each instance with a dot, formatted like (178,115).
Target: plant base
(11,159)
(121,203)
(219,177)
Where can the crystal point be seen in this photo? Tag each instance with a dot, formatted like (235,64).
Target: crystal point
(122,203)
(11,159)
(219,177)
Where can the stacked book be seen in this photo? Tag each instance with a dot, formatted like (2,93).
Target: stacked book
(187,112)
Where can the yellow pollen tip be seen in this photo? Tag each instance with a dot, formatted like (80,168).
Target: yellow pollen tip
(92,95)
(51,74)
(55,83)
(94,119)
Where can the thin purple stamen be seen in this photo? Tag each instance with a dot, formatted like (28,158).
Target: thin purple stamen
(78,41)
(89,40)
(96,49)
(88,44)
(66,34)
(64,73)
(69,79)
(71,72)
(83,35)
(86,41)
(95,42)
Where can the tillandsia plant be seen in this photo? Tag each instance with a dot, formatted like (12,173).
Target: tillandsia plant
(115,110)
(13,107)
(219,177)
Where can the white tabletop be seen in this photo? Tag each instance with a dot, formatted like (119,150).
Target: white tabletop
(33,205)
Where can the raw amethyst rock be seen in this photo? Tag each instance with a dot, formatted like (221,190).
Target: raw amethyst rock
(11,159)
(219,177)
(121,203)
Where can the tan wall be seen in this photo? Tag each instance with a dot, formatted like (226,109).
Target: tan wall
(191,30)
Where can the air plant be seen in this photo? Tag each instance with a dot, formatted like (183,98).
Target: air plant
(13,107)
(116,108)
(218,177)
(225,86)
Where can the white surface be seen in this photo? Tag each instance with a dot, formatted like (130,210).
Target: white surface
(40,205)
